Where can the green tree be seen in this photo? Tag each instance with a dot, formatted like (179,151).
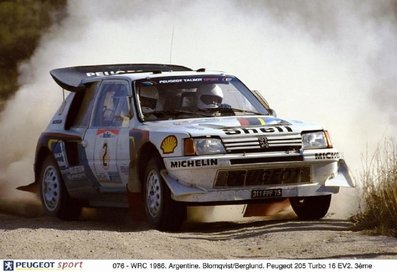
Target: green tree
(22,22)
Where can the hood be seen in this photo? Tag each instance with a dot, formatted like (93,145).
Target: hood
(223,126)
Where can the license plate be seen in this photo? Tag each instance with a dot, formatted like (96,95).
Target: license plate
(266,193)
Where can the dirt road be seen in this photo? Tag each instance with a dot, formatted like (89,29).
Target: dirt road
(113,235)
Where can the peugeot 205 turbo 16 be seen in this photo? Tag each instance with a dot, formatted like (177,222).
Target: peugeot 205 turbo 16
(164,137)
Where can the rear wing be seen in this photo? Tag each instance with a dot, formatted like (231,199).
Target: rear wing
(71,78)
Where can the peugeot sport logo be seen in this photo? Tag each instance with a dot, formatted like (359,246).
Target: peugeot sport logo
(8,266)
(263,142)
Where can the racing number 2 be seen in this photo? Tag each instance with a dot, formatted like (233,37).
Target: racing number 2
(105,156)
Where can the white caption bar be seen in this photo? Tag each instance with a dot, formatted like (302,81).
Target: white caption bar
(201,265)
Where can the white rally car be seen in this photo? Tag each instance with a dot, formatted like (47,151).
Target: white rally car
(164,137)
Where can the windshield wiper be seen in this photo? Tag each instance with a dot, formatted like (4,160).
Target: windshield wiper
(230,110)
(177,113)
(246,111)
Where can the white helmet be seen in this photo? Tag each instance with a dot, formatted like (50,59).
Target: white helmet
(209,96)
(149,97)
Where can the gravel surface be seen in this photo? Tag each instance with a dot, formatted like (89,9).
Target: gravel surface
(112,234)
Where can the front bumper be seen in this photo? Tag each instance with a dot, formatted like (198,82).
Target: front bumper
(203,196)
(196,179)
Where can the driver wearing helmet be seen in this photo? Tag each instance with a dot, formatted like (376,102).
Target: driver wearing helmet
(209,97)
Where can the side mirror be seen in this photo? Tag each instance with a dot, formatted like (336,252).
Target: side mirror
(272,112)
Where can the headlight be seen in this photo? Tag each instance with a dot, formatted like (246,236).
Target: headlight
(315,140)
(203,146)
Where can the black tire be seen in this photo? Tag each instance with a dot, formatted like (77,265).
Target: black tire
(162,212)
(54,196)
(311,207)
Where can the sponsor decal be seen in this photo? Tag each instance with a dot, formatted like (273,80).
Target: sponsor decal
(327,156)
(107,133)
(76,173)
(56,122)
(194,80)
(179,80)
(107,73)
(109,177)
(194,163)
(58,149)
(195,128)
(169,144)
(58,156)
(256,130)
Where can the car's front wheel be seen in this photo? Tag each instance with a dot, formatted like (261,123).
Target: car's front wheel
(54,196)
(311,207)
(162,212)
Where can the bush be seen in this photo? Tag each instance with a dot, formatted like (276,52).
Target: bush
(378,212)
(21,26)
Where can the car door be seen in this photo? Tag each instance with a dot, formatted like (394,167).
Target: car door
(107,139)
(69,150)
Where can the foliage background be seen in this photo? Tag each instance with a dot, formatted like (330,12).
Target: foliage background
(22,22)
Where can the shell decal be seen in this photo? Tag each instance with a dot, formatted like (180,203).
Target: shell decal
(169,144)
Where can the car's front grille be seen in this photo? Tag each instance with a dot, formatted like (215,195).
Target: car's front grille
(289,158)
(290,142)
(255,177)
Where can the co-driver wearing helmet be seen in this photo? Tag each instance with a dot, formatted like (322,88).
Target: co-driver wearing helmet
(149,97)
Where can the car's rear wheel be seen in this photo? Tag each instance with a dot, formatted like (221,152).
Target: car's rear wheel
(162,212)
(311,207)
(54,196)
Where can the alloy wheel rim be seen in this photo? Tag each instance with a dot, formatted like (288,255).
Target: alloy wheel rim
(153,193)
(51,188)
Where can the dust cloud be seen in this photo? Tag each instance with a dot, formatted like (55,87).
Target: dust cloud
(327,62)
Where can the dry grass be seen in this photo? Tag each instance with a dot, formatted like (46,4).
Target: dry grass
(378,212)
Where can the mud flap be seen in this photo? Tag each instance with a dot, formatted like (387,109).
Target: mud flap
(266,209)
(135,205)
(32,188)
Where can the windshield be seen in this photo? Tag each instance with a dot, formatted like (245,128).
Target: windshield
(193,97)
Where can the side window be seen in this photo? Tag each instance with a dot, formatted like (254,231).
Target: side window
(81,108)
(112,109)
